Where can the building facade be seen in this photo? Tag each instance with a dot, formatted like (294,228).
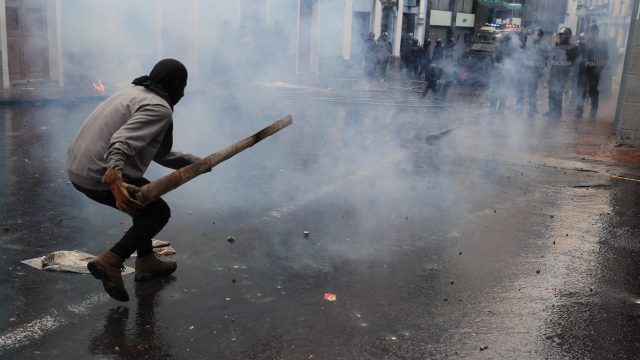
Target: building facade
(77,42)
(30,42)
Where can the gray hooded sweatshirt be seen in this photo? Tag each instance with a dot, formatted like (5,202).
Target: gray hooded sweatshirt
(124,132)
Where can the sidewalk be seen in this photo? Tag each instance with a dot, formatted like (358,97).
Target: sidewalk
(34,93)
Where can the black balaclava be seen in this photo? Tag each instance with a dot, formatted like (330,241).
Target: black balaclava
(168,78)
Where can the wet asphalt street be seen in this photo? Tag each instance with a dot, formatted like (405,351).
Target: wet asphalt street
(443,231)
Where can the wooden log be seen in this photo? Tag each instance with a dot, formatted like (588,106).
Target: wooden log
(163,185)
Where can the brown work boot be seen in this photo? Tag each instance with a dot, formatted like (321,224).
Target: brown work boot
(150,267)
(108,267)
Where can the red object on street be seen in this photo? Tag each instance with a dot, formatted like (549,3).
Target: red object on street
(330,297)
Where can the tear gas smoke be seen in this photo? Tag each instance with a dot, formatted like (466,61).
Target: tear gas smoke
(367,163)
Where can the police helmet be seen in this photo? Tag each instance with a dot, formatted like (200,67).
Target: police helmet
(565,31)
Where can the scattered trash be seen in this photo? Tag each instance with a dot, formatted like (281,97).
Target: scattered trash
(227,299)
(65,261)
(432,139)
(305,234)
(233,281)
(231,240)
(537,271)
(191,327)
(164,251)
(161,247)
(483,348)
(330,297)
(13,317)
(445,299)
(459,252)
(554,242)
(551,216)
(452,282)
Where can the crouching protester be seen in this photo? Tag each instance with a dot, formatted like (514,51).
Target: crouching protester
(109,156)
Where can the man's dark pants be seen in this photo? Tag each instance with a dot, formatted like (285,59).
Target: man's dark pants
(146,224)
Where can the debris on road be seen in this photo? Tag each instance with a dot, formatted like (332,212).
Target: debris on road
(330,297)
(231,240)
(161,247)
(483,348)
(164,251)
(432,139)
(73,261)
(305,234)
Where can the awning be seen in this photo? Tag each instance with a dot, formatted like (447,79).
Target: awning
(500,4)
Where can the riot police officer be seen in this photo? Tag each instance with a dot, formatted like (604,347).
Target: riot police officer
(438,52)
(433,79)
(369,56)
(384,51)
(594,58)
(534,64)
(425,60)
(417,58)
(561,59)
(503,73)
(449,50)
(406,43)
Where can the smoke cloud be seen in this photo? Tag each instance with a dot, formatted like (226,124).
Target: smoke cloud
(352,164)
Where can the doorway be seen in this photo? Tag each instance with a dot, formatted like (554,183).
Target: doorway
(27,41)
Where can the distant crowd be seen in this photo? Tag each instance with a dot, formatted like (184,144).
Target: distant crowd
(509,64)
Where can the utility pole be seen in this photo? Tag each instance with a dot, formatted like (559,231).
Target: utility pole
(454,15)
(397,31)
(427,21)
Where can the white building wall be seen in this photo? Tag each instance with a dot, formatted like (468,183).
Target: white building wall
(627,119)
(330,27)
